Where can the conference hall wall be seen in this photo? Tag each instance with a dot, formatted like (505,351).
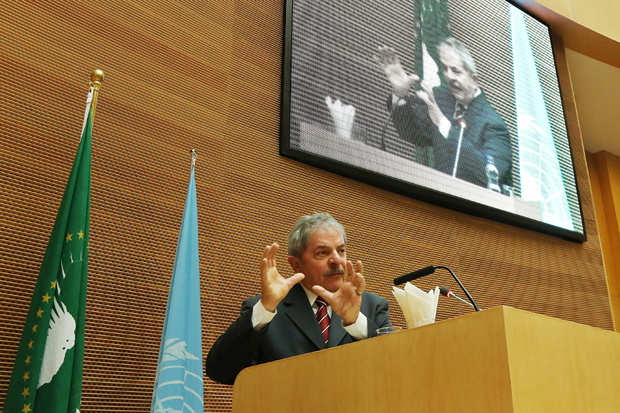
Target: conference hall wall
(206,75)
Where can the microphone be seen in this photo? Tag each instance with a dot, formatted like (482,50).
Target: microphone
(414,275)
(429,270)
(446,292)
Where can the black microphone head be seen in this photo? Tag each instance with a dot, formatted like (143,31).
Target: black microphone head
(445,291)
(414,275)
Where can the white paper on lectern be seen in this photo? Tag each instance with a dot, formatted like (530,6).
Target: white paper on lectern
(401,299)
(418,307)
(343,116)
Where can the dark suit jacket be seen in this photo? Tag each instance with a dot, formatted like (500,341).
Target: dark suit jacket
(485,134)
(293,331)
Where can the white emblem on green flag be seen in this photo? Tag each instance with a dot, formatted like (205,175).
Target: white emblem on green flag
(60,338)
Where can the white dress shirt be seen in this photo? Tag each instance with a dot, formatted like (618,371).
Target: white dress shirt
(261,317)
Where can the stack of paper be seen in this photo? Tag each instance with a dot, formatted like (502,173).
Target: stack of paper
(343,116)
(419,308)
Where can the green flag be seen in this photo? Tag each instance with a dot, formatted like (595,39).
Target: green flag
(432,26)
(47,375)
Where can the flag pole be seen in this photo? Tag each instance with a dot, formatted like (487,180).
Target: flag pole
(194,157)
(96,78)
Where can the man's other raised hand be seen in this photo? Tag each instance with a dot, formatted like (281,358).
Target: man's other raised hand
(274,287)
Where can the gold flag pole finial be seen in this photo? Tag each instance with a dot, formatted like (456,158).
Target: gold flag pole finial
(194,156)
(96,78)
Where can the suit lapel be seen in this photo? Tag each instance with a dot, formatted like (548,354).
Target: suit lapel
(298,310)
(475,117)
(336,330)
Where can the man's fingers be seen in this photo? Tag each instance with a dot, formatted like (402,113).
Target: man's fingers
(359,267)
(386,56)
(355,277)
(390,55)
(361,286)
(268,262)
(273,250)
(360,283)
(429,91)
(323,293)
(266,251)
(377,59)
(350,272)
(424,96)
(294,279)
(270,251)
(263,267)
(411,79)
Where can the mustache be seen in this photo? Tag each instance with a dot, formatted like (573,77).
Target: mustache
(334,271)
(454,85)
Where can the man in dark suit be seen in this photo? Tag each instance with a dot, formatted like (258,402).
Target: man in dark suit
(282,321)
(456,120)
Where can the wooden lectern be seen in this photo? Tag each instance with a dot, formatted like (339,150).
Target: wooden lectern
(497,360)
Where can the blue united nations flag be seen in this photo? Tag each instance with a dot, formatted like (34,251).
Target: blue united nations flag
(178,382)
(540,171)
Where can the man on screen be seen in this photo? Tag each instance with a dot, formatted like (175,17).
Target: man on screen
(454,119)
(287,318)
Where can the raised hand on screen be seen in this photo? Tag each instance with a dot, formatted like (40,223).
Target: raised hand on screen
(388,61)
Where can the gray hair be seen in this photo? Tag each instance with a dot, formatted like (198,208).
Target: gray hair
(299,236)
(468,61)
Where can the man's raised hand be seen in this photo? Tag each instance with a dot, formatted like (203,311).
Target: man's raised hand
(274,287)
(388,61)
(428,96)
(347,300)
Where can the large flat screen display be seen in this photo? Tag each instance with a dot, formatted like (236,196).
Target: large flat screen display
(453,102)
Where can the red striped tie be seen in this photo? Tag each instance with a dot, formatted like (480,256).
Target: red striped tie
(322,317)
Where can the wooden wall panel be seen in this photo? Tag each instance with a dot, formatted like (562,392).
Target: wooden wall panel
(206,75)
(604,170)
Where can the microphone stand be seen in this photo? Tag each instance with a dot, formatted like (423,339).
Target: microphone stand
(461,300)
(460,285)
(385,125)
(458,148)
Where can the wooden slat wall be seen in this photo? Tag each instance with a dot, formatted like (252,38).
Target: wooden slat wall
(206,75)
